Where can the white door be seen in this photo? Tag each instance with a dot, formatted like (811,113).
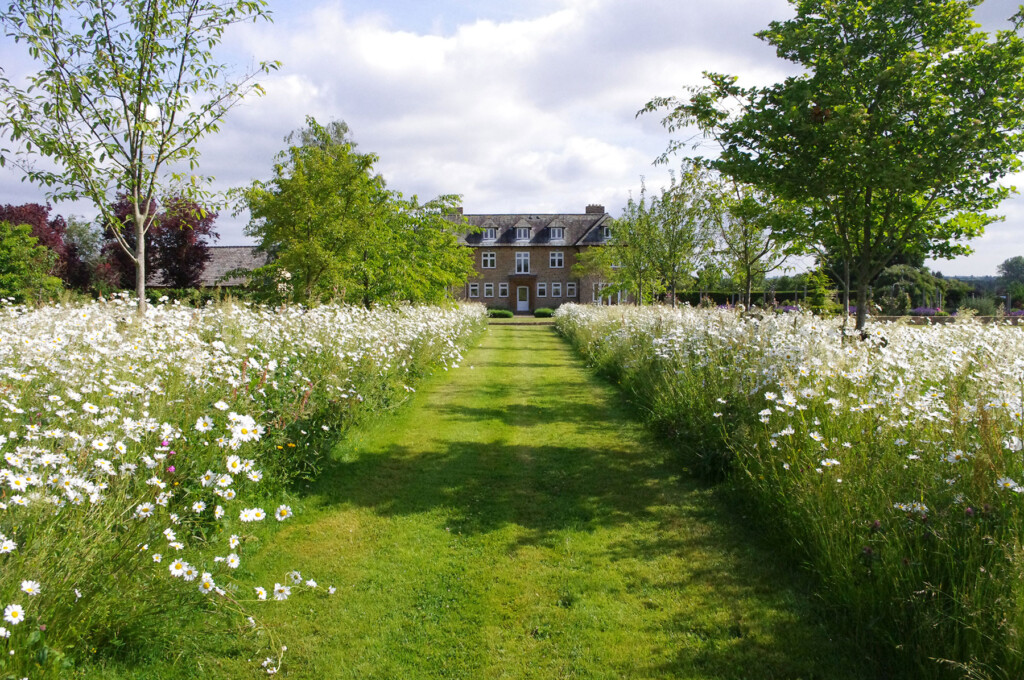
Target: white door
(523,299)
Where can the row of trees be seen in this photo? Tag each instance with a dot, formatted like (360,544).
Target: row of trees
(699,230)
(891,141)
(42,254)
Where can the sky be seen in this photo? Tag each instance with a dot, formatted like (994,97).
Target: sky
(518,105)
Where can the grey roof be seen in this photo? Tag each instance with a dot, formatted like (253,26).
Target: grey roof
(580,229)
(225,258)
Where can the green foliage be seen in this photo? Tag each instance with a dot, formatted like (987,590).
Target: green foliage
(921,286)
(25,266)
(895,135)
(982,306)
(660,243)
(895,303)
(751,235)
(125,91)
(1012,270)
(543,312)
(821,297)
(500,313)
(334,231)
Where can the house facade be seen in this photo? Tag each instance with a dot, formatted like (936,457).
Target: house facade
(525,261)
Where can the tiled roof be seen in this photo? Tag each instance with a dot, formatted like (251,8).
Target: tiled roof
(580,229)
(225,258)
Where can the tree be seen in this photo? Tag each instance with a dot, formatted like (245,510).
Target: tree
(181,241)
(1012,270)
(333,230)
(83,240)
(895,135)
(690,213)
(125,91)
(628,260)
(750,236)
(52,234)
(176,249)
(25,265)
(120,266)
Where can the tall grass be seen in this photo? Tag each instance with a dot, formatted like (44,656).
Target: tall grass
(893,465)
(140,453)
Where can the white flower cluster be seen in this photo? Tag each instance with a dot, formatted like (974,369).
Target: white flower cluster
(102,410)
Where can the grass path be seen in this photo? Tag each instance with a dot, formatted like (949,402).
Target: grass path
(515,521)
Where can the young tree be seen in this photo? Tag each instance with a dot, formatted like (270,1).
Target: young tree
(125,91)
(750,236)
(627,261)
(895,135)
(690,213)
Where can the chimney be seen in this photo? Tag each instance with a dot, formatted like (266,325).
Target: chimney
(595,209)
(458,210)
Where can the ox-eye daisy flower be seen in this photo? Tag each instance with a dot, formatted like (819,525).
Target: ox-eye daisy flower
(14,614)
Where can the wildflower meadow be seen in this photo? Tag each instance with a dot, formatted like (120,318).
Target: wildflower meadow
(141,454)
(890,464)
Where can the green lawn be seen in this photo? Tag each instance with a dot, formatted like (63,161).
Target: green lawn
(514,520)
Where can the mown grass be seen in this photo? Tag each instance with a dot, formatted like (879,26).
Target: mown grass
(515,520)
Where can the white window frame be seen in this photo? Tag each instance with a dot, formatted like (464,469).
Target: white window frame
(556,289)
(606,233)
(474,290)
(570,289)
(488,290)
(542,290)
(522,233)
(557,233)
(503,290)
(522,258)
(556,259)
(490,234)
(488,259)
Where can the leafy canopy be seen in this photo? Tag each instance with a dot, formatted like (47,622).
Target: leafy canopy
(25,265)
(334,231)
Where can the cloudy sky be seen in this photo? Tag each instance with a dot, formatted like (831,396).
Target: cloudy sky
(517,105)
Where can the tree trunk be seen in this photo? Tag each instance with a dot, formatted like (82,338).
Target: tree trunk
(673,293)
(862,303)
(140,263)
(746,292)
(846,294)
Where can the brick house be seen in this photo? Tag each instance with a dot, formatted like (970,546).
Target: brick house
(525,261)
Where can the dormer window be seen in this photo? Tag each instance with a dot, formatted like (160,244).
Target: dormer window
(606,233)
(557,233)
(490,233)
(522,233)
